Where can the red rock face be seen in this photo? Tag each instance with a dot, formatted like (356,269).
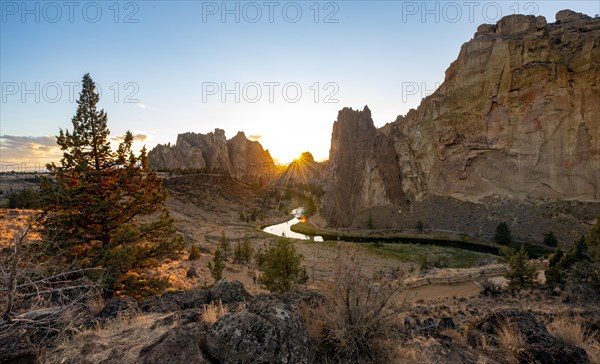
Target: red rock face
(517,116)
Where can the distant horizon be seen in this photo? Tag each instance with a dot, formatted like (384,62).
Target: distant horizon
(280,77)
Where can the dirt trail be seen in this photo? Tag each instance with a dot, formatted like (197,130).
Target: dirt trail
(435,291)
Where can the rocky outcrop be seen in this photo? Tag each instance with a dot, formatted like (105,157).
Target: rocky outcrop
(517,115)
(269,331)
(181,345)
(248,158)
(304,171)
(532,342)
(212,152)
(364,169)
(229,292)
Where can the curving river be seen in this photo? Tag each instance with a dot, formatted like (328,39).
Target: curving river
(284,230)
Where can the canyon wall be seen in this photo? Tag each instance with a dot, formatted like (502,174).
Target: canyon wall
(518,116)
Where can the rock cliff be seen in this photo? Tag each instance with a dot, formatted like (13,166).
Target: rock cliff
(304,171)
(238,156)
(518,116)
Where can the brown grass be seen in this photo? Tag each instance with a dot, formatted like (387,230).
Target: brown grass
(571,330)
(510,338)
(213,312)
(122,336)
(96,304)
(353,324)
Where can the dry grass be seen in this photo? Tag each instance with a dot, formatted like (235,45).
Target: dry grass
(353,324)
(120,340)
(510,338)
(455,335)
(213,312)
(571,330)
(96,304)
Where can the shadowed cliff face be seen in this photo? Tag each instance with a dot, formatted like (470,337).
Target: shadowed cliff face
(518,116)
(238,156)
(363,168)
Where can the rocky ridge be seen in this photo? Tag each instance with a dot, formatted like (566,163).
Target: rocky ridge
(239,157)
(517,117)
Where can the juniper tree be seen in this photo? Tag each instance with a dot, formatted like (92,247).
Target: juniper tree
(105,208)
(279,266)
(503,235)
(521,273)
(216,266)
(550,239)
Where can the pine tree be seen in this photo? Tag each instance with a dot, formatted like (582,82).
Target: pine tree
(502,235)
(279,266)
(550,239)
(93,206)
(521,273)
(216,266)
(224,246)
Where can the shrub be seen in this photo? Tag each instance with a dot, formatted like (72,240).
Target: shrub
(571,330)
(420,227)
(280,266)
(502,235)
(213,312)
(24,199)
(554,273)
(194,253)
(521,274)
(550,239)
(490,287)
(353,323)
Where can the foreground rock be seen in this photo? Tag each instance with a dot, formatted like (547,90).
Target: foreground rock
(181,345)
(269,331)
(229,292)
(533,343)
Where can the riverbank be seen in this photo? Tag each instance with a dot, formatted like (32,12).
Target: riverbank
(466,242)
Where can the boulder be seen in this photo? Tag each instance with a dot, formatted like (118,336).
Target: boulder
(182,345)
(269,331)
(229,292)
(539,346)
(16,347)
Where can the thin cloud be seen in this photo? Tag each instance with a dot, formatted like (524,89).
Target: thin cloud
(15,148)
(141,106)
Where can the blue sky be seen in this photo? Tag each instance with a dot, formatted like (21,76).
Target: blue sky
(165,67)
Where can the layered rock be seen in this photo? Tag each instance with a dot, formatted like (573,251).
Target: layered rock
(518,115)
(212,152)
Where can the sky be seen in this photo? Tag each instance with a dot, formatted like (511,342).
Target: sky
(278,70)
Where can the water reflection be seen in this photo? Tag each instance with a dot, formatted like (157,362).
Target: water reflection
(284,230)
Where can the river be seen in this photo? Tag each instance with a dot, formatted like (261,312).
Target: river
(284,229)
